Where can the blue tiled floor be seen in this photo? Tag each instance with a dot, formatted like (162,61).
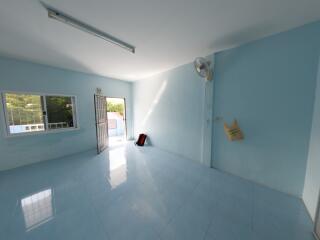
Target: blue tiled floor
(142,193)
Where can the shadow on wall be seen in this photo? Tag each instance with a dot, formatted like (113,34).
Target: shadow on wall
(243,36)
(149,141)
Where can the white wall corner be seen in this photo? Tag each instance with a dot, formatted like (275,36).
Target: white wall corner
(207,120)
(311,187)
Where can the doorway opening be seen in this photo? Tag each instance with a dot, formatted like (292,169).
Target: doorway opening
(116,115)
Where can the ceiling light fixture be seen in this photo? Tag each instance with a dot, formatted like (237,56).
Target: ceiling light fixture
(61,17)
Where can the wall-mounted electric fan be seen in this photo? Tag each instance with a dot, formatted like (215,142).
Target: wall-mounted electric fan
(203,68)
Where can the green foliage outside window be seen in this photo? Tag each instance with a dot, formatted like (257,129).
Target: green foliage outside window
(59,110)
(115,107)
(24,109)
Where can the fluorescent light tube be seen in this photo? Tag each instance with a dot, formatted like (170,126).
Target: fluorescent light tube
(61,17)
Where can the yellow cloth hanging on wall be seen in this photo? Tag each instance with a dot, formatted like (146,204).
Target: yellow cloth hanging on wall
(233,132)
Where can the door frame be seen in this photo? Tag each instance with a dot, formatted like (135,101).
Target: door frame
(125,115)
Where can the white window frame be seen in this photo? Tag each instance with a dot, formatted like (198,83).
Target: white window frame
(45,118)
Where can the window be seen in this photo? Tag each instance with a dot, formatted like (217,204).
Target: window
(59,112)
(27,113)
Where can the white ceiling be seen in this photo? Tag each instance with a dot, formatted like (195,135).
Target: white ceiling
(166,33)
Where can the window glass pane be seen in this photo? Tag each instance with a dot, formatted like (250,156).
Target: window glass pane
(24,113)
(59,112)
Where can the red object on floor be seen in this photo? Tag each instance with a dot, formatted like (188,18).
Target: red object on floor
(141,140)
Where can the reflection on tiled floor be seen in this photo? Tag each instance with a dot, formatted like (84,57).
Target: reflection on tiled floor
(142,193)
(37,208)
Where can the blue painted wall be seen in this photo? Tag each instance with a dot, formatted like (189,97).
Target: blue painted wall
(169,109)
(312,180)
(269,87)
(29,77)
